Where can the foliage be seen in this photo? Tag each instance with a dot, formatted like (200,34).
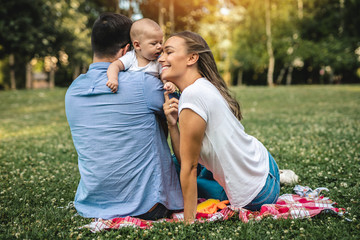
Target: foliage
(39,28)
(28,28)
(187,12)
(77,23)
(325,28)
(250,38)
(217,29)
(312,130)
(325,36)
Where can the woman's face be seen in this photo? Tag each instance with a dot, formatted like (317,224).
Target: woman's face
(174,59)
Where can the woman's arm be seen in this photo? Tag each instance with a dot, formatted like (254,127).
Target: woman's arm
(192,128)
(170,108)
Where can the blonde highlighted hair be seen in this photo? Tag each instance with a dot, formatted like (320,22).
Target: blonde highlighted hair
(207,67)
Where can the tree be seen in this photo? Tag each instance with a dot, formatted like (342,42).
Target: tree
(249,43)
(176,15)
(29,29)
(328,29)
(286,17)
(269,47)
(217,29)
(47,29)
(76,17)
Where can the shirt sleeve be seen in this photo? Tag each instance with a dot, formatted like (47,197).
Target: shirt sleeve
(154,94)
(194,100)
(128,59)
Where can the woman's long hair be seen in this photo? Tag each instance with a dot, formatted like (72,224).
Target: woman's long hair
(207,67)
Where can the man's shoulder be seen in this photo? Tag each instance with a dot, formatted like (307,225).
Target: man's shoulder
(145,80)
(138,76)
(131,76)
(75,84)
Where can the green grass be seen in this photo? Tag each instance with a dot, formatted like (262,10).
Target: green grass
(313,130)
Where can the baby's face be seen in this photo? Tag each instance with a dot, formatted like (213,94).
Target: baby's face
(151,45)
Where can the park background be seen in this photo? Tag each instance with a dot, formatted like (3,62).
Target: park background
(269,42)
(311,127)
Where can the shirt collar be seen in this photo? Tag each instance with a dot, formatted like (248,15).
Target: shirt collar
(99,65)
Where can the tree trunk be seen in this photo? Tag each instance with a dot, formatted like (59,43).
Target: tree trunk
(12,72)
(131,10)
(52,78)
(172,16)
(331,77)
(84,69)
(281,75)
(240,77)
(289,75)
(28,76)
(269,45)
(341,27)
(162,11)
(76,71)
(300,9)
(117,7)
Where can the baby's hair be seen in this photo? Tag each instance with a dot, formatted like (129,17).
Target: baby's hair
(141,27)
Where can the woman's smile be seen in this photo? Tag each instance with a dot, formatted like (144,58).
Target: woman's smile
(164,68)
(173,59)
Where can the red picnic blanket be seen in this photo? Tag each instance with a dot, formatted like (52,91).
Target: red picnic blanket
(288,206)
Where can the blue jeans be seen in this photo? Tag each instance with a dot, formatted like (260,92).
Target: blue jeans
(270,192)
(208,187)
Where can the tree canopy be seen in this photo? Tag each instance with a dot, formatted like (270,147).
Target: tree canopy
(312,41)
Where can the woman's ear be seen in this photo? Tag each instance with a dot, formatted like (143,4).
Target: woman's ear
(193,58)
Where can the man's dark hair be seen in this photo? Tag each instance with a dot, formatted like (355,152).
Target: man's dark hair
(110,33)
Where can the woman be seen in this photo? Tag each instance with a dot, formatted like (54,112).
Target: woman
(210,129)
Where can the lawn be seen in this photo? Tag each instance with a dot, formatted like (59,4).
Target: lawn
(313,130)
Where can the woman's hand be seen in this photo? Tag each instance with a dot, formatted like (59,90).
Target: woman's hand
(171,107)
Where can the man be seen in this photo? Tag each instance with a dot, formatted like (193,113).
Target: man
(124,160)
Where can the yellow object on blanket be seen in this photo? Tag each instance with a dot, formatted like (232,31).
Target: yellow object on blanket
(211,206)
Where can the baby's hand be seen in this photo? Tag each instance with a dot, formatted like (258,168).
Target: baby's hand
(170,87)
(113,74)
(112,84)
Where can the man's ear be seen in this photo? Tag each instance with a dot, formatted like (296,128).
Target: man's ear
(193,58)
(126,48)
(123,51)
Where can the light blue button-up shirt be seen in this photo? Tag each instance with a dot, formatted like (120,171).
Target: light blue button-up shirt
(124,160)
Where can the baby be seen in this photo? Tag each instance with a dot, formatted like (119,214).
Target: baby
(146,37)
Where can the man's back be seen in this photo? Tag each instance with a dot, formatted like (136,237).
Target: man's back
(124,160)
